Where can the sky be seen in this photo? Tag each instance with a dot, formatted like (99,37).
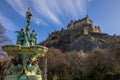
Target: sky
(51,15)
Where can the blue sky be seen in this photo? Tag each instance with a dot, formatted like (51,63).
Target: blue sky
(51,15)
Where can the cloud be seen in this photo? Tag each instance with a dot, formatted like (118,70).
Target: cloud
(43,8)
(38,21)
(20,6)
(90,0)
(55,11)
(7,23)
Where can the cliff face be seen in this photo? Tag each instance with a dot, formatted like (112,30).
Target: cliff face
(74,40)
(85,43)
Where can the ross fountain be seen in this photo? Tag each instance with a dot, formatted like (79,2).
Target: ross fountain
(25,53)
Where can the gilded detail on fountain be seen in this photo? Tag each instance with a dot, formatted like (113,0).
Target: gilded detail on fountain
(25,54)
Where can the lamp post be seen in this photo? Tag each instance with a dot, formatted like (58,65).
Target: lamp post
(45,67)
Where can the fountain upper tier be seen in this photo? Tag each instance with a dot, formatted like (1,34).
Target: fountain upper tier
(12,50)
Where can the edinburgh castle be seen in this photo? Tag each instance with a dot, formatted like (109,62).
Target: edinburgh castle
(86,25)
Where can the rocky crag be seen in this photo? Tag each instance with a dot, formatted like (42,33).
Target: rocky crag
(79,35)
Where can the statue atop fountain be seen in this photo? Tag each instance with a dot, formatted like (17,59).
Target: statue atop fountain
(28,15)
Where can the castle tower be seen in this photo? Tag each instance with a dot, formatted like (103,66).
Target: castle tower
(71,25)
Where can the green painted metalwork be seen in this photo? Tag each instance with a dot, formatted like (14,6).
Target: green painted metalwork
(25,55)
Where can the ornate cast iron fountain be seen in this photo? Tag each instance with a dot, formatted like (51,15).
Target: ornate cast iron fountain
(25,55)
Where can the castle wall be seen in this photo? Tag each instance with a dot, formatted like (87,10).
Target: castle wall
(93,28)
(77,25)
(71,26)
(96,29)
(88,21)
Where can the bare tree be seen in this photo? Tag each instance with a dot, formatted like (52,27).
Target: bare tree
(57,63)
(3,60)
(3,38)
